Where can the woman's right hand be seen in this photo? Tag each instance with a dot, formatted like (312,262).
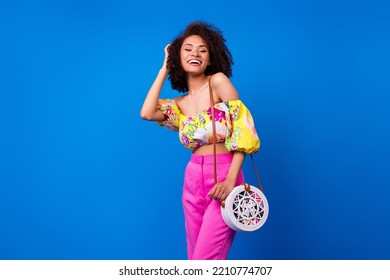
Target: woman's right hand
(166,56)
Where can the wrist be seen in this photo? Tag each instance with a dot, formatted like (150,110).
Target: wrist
(163,73)
(231,179)
(164,68)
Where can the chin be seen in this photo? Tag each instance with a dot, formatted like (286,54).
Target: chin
(195,72)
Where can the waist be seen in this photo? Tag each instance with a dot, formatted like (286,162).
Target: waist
(208,149)
(209,159)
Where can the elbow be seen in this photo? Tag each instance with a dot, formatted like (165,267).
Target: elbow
(148,116)
(151,115)
(144,115)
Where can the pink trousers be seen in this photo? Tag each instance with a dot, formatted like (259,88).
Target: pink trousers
(208,237)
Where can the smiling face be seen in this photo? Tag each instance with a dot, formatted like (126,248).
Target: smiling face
(194,55)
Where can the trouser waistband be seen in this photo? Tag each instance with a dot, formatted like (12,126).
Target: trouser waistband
(209,159)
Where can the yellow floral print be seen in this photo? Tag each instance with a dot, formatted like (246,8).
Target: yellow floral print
(233,120)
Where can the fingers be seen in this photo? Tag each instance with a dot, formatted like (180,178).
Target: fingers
(219,192)
(166,49)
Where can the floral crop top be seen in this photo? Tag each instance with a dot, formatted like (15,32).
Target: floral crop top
(233,122)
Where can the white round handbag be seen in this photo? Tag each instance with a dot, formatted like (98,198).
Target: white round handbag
(245,208)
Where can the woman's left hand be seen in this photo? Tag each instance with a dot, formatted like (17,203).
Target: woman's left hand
(221,190)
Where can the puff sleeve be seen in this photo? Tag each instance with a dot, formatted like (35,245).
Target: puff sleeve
(241,134)
(172,114)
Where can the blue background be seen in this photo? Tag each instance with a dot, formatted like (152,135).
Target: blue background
(83,177)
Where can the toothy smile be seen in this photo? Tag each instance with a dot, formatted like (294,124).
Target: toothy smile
(194,62)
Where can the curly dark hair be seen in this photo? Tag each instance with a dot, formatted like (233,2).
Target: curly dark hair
(221,59)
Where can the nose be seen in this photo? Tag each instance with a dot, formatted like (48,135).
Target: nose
(195,53)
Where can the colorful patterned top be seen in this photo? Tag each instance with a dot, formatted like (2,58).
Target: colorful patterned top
(233,122)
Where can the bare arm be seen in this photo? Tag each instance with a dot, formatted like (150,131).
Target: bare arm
(221,189)
(149,110)
(225,91)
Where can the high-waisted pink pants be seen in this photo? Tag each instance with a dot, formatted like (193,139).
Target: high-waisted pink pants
(208,236)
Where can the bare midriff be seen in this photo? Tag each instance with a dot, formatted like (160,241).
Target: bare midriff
(208,149)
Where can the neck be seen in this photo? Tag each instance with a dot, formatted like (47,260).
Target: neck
(196,83)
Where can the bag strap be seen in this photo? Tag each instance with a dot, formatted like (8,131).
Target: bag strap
(215,141)
(214,131)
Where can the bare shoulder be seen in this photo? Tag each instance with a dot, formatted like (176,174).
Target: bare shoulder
(180,101)
(223,87)
(219,79)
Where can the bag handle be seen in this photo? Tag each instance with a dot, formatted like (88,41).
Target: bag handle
(215,141)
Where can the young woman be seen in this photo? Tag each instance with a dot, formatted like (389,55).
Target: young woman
(198,62)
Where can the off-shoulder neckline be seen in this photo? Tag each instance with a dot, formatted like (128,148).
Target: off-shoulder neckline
(203,111)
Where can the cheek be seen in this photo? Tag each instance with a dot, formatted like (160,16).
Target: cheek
(207,58)
(182,57)
(182,60)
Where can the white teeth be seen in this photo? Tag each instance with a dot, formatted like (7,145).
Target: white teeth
(193,61)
